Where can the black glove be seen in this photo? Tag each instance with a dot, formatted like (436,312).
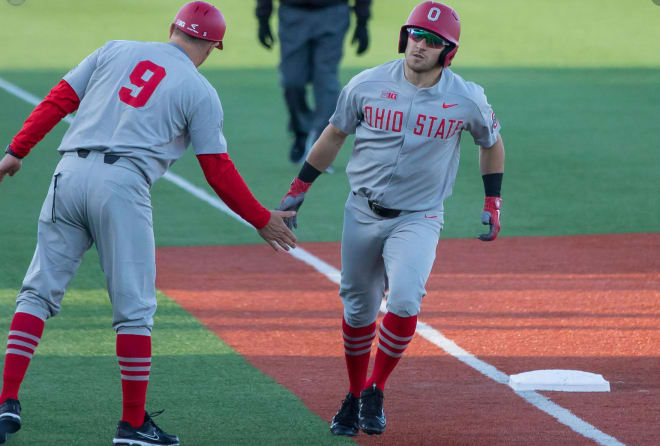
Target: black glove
(361,36)
(265,36)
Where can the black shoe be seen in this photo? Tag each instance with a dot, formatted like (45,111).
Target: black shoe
(298,148)
(10,418)
(345,422)
(146,435)
(371,415)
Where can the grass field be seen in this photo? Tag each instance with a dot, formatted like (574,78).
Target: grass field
(576,86)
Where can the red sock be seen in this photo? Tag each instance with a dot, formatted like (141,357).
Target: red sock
(357,348)
(395,334)
(134,356)
(24,336)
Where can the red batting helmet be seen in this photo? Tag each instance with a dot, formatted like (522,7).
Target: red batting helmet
(201,20)
(439,19)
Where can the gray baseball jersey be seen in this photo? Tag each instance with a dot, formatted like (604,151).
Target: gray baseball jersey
(405,156)
(407,139)
(144,101)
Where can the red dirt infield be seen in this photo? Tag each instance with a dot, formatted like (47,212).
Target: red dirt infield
(588,303)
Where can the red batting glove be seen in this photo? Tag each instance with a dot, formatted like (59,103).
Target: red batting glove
(293,200)
(491,216)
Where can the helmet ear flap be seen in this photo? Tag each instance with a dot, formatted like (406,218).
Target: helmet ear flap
(447,55)
(403,39)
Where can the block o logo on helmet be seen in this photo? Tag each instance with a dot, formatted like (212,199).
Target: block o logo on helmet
(439,19)
(202,20)
(434,14)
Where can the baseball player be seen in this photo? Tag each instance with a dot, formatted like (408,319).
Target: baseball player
(140,104)
(407,116)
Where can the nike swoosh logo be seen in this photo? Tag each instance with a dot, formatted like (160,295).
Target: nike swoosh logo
(448,105)
(430,216)
(150,437)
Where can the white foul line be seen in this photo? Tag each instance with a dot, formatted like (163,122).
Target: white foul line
(561,414)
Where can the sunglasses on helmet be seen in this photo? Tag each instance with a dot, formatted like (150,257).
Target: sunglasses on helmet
(432,40)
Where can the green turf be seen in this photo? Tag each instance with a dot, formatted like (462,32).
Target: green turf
(71,394)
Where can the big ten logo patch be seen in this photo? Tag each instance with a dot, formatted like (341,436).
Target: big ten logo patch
(389,95)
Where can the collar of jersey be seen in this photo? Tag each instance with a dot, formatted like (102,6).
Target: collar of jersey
(179,48)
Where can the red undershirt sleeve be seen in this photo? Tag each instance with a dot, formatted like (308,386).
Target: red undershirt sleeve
(225,180)
(61,101)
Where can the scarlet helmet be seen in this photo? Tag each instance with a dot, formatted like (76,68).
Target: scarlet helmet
(439,19)
(202,20)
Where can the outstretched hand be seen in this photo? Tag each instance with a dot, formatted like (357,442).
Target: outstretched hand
(276,233)
(9,165)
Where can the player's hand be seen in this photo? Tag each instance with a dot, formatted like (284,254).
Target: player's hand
(361,36)
(265,36)
(9,165)
(293,200)
(276,232)
(491,216)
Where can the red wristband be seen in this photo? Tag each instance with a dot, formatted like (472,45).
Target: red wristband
(298,187)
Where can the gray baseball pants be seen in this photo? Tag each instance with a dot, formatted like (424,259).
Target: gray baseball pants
(92,201)
(403,248)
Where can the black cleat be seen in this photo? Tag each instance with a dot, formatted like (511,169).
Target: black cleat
(10,418)
(298,148)
(345,422)
(371,415)
(148,434)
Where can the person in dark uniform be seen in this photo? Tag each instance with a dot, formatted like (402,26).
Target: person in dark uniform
(311,34)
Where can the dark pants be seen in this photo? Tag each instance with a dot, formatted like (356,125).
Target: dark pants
(311,46)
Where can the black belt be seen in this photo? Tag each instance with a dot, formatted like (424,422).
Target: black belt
(107,158)
(383,212)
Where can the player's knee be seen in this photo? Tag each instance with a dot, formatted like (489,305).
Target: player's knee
(360,319)
(360,315)
(134,330)
(36,305)
(360,309)
(134,320)
(404,307)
